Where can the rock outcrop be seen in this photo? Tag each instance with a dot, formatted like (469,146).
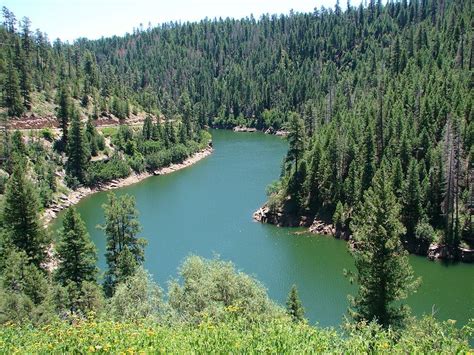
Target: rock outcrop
(244,129)
(440,251)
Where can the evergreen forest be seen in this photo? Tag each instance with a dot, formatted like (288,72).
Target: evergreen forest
(376,103)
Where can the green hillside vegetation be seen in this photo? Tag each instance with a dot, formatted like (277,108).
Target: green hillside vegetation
(231,335)
(377,103)
(356,87)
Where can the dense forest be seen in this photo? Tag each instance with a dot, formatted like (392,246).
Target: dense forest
(357,87)
(400,98)
(377,103)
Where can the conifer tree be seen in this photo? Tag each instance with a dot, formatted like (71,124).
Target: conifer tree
(294,307)
(296,138)
(64,112)
(76,251)
(77,150)
(384,275)
(147,128)
(21,217)
(124,250)
(24,68)
(412,211)
(12,97)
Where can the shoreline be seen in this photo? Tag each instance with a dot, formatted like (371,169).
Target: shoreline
(75,196)
(434,251)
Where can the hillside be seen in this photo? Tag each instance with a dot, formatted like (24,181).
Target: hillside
(376,102)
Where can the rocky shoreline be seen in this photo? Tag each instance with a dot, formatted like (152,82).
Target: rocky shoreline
(75,196)
(270,130)
(317,226)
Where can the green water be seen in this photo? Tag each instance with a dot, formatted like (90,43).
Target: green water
(206,209)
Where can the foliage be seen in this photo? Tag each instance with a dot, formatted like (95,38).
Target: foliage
(279,335)
(137,297)
(20,216)
(77,253)
(102,171)
(77,149)
(294,307)
(384,275)
(209,287)
(124,250)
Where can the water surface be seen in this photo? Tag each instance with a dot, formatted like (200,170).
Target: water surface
(206,210)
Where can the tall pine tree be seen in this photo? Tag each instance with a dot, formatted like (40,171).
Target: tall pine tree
(21,217)
(384,275)
(294,307)
(77,150)
(76,251)
(124,250)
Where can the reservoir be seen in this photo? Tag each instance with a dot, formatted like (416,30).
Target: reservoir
(206,209)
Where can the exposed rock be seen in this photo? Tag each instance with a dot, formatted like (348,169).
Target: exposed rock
(281,133)
(244,129)
(270,130)
(440,251)
(319,227)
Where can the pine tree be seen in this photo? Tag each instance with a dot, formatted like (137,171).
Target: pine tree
(294,307)
(369,159)
(77,150)
(21,277)
(24,68)
(21,217)
(124,250)
(64,112)
(412,211)
(395,57)
(296,138)
(147,128)
(12,97)
(76,251)
(384,275)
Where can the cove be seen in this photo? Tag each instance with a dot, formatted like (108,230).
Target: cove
(206,209)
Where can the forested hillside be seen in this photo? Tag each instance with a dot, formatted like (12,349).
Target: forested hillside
(356,88)
(377,103)
(403,102)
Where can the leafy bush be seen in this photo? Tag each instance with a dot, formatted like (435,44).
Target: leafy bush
(137,163)
(424,232)
(175,154)
(135,299)
(211,286)
(47,134)
(100,172)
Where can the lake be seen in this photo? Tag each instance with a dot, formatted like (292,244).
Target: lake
(206,209)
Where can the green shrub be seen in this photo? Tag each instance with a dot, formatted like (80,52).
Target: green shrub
(210,287)
(47,134)
(136,299)
(100,172)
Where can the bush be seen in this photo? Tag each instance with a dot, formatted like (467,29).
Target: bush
(47,134)
(136,298)
(211,286)
(175,154)
(100,172)
(137,163)
(425,233)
